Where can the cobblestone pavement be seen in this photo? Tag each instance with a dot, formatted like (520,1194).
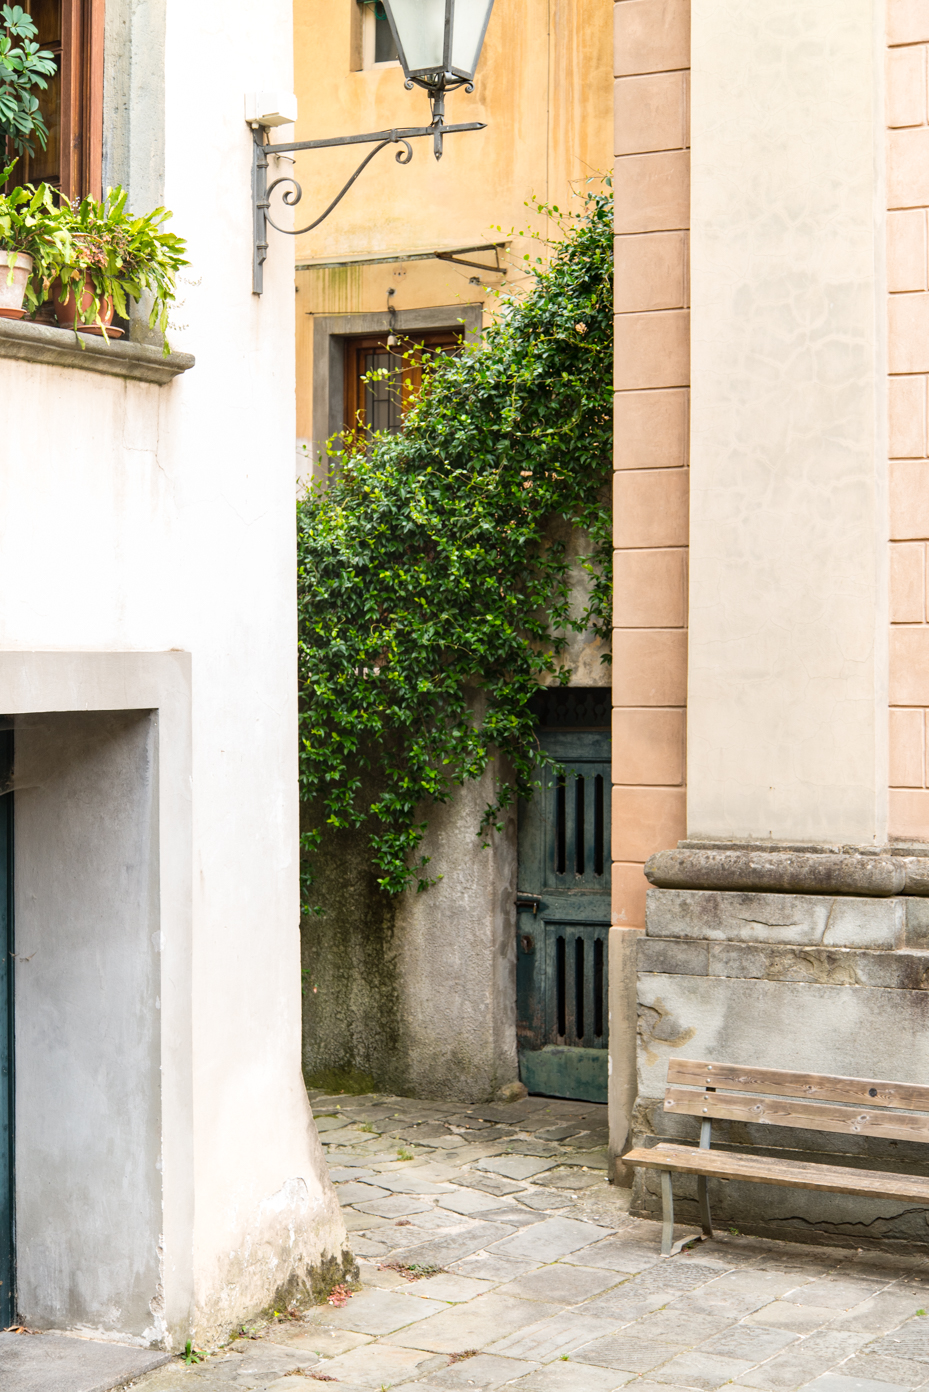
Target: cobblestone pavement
(494,1254)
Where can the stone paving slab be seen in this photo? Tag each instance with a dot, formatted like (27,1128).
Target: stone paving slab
(833,1382)
(551,1338)
(476,1325)
(549,1240)
(542,1282)
(573,1377)
(352,1193)
(379,1312)
(516,1166)
(484,1371)
(568,1285)
(53,1363)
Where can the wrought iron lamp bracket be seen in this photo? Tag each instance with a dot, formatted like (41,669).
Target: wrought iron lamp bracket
(262,150)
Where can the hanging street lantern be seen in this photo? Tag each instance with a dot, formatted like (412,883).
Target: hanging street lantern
(439,44)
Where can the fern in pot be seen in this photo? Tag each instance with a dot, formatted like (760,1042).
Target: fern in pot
(113,257)
(34,238)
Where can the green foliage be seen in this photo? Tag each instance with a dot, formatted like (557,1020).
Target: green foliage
(119,257)
(32,222)
(24,66)
(432,593)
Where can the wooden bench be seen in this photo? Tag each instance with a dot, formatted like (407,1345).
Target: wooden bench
(775,1097)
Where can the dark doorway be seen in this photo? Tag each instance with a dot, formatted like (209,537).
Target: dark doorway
(563,902)
(7,1301)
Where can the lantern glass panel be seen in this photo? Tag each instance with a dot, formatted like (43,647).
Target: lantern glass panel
(471,17)
(420,29)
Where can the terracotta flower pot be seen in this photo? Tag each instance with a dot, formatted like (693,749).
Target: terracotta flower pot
(81,300)
(13,291)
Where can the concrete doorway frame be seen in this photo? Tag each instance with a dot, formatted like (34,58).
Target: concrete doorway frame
(107,693)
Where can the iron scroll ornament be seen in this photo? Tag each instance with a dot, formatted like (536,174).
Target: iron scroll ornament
(261,190)
(292,198)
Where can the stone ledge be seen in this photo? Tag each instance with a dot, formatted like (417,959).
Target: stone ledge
(42,343)
(787,870)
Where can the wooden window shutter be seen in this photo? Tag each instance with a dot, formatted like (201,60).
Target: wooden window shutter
(82,98)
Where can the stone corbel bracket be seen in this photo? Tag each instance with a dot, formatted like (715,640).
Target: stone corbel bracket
(790,871)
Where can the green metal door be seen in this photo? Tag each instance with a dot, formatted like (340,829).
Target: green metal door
(6,1030)
(563,921)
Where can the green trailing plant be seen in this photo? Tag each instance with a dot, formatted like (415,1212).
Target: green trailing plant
(24,68)
(31,221)
(114,255)
(434,595)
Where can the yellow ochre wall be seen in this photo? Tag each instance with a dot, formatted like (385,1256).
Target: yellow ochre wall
(544,88)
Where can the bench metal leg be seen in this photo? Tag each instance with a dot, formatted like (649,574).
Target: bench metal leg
(667,1213)
(704,1201)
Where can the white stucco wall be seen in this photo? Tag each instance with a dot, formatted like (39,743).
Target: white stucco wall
(139,518)
(787,653)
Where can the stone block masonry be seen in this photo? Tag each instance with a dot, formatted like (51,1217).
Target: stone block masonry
(907,115)
(651,106)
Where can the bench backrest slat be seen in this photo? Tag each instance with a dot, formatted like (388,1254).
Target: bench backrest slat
(784,1111)
(818,1087)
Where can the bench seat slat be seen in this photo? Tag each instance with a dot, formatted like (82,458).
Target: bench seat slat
(784,1111)
(814,1087)
(791,1174)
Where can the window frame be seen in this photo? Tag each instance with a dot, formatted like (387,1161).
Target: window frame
(409,348)
(327,375)
(364,39)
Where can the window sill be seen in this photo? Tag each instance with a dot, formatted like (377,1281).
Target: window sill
(40,343)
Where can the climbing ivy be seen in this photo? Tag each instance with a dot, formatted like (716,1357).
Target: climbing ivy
(433,594)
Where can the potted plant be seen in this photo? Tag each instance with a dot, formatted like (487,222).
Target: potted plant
(112,257)
(33,238)
(24,66)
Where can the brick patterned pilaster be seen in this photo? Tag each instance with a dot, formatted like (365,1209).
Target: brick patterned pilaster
(908,354)
(652,63)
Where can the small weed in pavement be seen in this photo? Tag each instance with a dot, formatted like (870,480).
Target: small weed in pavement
(192,1355)
(404,1154)
(412,1270)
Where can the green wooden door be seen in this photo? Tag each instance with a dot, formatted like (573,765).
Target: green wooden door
(563,921)
(7,1310)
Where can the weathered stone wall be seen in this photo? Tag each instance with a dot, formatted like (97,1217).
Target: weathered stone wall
(415,994)
(819,983)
